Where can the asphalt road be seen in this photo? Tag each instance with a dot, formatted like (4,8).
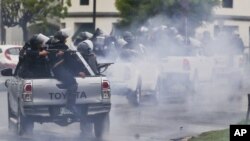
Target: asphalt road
(177,115)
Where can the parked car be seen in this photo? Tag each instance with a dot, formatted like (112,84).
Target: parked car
(9,55)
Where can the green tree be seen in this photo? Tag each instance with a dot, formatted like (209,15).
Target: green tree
(177,12)
(24,12)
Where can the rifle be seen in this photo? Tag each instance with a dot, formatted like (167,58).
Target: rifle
(63,50)
(103,65)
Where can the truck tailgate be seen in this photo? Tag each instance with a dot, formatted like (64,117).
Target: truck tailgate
(52,92)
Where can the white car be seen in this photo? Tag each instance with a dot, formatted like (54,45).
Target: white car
(9,55)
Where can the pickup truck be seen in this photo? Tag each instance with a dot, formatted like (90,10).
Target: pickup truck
(190,71)
(138,81)
(43,100)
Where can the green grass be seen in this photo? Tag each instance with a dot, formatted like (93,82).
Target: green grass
(220,135)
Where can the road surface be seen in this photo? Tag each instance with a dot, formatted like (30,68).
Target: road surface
(177,115)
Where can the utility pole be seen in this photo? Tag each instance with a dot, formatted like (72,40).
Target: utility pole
(94,14)
(1,23)
(185,8)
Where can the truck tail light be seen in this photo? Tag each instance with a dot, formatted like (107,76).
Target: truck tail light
(27,92)
(105,89)
(186,65)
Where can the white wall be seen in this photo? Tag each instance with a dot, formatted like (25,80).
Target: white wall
(240,8)
(106,24)
(102,6)
(70,22)
(14,35)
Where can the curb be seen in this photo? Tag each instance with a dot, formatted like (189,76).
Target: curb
(182,138)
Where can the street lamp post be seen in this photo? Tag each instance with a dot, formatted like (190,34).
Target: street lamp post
(94,14)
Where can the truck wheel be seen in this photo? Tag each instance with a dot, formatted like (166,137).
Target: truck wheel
(193,85)
(86,127)
(12,126)
(101,125)
(157,93)
(134,97)
(138,95)
(24,124)
(20,122)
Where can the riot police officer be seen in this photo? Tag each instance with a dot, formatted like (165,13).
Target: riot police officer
(32,59)
(131,50)
(86,50)
(59,64)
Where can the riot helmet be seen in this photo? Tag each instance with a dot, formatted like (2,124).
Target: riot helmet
(85,47)
(85,35)
(35,42)
(61,36)
(82,36)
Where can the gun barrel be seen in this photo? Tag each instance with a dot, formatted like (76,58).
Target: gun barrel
(56,50)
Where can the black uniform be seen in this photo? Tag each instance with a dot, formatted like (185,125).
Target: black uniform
(89,56)
(64,71)
(130,50)
(30,64)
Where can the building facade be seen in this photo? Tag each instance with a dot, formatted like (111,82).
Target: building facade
(231,16)
(81,16)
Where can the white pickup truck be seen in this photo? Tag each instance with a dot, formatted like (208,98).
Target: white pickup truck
(175,72)
(137,80)
(189,71)
(43,100)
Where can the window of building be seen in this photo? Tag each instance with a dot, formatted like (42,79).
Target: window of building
(84,2)
(227,3)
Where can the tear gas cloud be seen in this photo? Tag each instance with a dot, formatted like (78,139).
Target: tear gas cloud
(162,64)
(221,53)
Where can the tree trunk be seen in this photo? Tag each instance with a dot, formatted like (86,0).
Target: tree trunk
(25,32)
(2,35)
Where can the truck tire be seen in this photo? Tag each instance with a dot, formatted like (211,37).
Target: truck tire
(12,126)
(157,93)
(134,97)
(137,94)
(193,85)
(20,122)
(101,125)
(24,125)
(86,128)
